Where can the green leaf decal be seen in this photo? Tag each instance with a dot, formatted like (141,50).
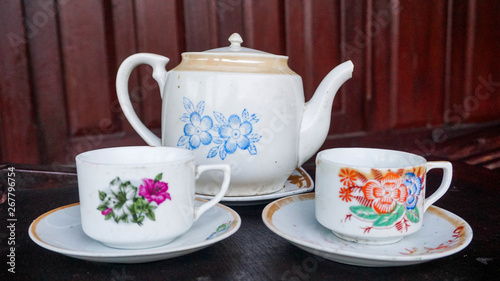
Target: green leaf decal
(102,207)
(221,227)
(391,218)
(102,195)
(151,215)
(115,181)
(124,218)
(140,219)
(364,212)
(413,215)
(158,177)
(133,209)
(108,216)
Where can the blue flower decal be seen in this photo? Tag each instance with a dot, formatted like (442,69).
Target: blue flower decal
(197,127)
(234,133)
(197,130)
(414,185)
(228,135)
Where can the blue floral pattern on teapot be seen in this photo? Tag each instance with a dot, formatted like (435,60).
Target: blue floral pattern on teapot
(228,134)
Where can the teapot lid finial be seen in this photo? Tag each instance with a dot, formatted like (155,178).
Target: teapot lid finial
(236,41)
(236,49)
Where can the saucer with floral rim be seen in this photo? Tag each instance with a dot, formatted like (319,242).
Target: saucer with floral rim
(298,182)
(442,234)
(60,231)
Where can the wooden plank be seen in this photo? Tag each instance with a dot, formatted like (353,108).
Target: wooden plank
(160,31)
(476,148)
(264,26)
(200,21)
(378,111)
(483,102)
(348,106)
(48,90)
(456,61)
(317,44)
(295,36)
(18,131)
(474,83)
(85,61)
(322,41)
(230,19)
(420,65)
(319,36)
(124,43)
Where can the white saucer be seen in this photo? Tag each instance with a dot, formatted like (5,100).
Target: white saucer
(298,182)
(60,231)
(441,235)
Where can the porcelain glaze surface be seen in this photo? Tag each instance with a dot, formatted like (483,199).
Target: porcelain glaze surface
(60,231)
(442,234)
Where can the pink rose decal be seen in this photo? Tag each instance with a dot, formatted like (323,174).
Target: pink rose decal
(107,211)
(154,190)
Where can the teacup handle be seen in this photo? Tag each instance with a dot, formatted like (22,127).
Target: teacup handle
(159,74)
(445,183)
(198,211)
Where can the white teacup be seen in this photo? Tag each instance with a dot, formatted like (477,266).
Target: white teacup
(374,196)
(140,197)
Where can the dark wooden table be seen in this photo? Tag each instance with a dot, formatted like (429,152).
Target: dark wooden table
(254,252)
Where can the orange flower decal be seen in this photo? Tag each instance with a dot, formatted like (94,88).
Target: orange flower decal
(345,194)
(386,193)
(385,197)
(348,177)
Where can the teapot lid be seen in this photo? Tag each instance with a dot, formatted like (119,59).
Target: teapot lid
(235,47)
(235,59)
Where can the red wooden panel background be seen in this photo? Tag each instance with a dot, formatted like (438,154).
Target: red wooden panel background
(417,63)
(18,133)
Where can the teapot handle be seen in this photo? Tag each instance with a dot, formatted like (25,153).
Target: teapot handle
(159,74)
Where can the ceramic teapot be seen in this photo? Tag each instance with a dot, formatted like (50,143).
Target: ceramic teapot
(238,106)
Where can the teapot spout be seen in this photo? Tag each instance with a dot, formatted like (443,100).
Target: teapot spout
(317,112)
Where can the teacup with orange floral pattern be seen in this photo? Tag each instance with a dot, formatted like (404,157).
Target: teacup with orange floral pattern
(374,196)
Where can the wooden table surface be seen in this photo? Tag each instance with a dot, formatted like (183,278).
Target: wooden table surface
(254,252)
